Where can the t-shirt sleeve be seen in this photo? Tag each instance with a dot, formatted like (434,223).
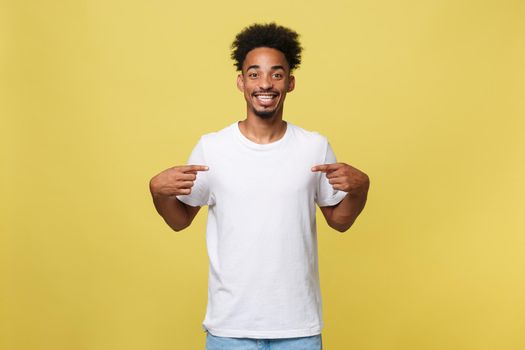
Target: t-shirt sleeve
(326,195)
(200,192)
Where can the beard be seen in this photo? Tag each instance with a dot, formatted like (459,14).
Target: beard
(264,114)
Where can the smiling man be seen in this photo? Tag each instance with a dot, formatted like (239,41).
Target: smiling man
(265,89)
(261,178)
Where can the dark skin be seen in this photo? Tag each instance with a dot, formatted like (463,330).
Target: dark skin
(346,178)
(265,80)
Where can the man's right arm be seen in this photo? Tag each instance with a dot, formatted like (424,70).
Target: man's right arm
(164,188)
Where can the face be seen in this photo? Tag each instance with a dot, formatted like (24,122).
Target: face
(265,81)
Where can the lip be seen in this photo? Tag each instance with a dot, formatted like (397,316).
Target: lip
(265,102)
(266,93)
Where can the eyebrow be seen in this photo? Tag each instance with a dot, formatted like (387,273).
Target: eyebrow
(257,66)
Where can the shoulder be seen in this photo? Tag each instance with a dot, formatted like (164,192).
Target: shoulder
(309,136)
(216,137)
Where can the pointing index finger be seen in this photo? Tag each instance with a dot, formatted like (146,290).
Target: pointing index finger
(187,168)
(325,167)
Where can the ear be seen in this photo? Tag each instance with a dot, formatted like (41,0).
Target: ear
(240,82)
(291,83)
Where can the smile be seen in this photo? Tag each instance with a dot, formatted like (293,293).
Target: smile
(265,98)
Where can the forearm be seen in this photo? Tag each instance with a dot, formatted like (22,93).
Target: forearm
(346,212)
(172,210)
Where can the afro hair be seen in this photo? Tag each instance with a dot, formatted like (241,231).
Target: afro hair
(267,35)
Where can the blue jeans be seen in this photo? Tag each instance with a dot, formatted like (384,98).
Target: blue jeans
(214,342)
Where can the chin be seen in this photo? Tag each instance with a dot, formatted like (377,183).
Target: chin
(265,114)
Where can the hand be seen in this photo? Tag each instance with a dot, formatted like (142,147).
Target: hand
(345,177)
(177,180)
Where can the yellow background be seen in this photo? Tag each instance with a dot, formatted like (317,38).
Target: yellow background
(426,97)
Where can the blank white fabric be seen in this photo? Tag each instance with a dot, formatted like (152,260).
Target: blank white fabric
(261,232)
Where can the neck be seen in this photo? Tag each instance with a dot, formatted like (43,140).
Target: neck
(262,130)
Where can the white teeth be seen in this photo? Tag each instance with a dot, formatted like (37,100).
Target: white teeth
(265,97)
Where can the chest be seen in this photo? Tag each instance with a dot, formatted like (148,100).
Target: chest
(264,176)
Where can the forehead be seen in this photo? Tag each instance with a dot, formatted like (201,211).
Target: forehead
(265,57)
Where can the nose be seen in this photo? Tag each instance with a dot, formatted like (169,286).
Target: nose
(266,82)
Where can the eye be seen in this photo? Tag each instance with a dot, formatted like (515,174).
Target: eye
(278,75)
(252,75)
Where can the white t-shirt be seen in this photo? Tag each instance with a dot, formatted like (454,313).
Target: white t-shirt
(261,232)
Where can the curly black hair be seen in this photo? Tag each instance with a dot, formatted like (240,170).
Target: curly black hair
(267,35)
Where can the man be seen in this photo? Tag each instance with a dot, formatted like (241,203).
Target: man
(261,178)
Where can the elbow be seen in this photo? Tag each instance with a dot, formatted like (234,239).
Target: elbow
(342,229)
(342,226)
(177,227)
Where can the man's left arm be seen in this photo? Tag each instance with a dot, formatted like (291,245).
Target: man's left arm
(356,183)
